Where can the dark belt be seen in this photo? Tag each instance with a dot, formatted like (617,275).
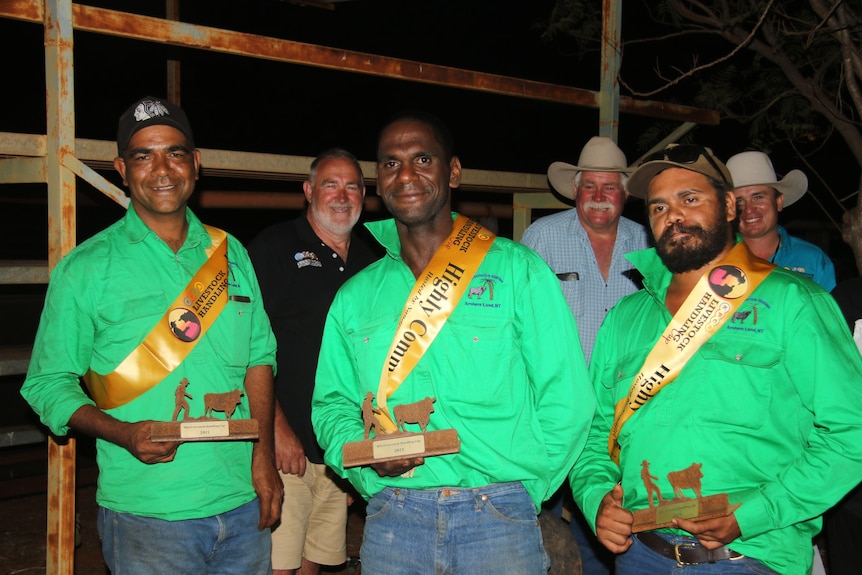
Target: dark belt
(686,553)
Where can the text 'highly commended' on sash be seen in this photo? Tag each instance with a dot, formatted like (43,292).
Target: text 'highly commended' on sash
(437,291)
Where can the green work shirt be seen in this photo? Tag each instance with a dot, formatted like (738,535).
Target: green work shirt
(506,369)
(769,408)
(103,299)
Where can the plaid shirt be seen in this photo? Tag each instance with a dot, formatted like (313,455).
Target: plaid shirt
(563,243)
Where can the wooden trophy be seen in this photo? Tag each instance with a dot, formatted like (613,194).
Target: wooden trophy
(399,444)
(206,427)
(696,509)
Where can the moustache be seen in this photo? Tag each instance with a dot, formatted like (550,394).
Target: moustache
(591,205)
(693,229)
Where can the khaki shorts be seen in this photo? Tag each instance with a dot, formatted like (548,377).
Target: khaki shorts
(313,521)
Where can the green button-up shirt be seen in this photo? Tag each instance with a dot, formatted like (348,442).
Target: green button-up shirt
(103,299)
(507,372)
(769,407)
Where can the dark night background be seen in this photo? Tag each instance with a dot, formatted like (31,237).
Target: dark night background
(252,105)
(260,106)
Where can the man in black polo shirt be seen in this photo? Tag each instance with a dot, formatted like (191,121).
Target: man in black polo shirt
(300,265)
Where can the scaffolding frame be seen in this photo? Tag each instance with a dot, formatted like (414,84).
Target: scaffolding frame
(58,158)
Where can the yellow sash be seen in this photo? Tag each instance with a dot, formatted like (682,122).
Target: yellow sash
(436,293)
(716,297)
(173,337)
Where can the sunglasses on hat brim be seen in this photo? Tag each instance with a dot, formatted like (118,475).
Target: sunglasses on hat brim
(686,154)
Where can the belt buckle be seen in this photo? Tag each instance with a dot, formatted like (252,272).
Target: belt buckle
(679,561)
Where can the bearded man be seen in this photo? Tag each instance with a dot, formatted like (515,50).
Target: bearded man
(765,405)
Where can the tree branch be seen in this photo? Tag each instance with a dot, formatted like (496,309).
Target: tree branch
(714,22)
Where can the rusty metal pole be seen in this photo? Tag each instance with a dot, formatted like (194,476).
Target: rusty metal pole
(174,94)
(59,82)
(609,95)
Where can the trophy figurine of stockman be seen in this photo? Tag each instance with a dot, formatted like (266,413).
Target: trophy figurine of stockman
(206,427)
(399,444)
(661,515)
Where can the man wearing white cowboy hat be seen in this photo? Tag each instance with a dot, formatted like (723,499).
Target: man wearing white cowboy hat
(585,247)
(760,195)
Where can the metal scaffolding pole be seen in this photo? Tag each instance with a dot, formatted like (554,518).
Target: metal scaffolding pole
(59,81)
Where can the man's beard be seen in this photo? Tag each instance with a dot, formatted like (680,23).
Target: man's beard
(701,247)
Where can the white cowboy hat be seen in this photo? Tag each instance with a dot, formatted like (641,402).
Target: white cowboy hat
(600,154)
(755,169)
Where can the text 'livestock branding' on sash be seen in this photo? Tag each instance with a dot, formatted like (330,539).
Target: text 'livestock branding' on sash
(466,235)
(700,316)
(209,295)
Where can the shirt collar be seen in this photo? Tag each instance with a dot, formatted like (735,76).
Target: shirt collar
(656,276)
(385,232)
(137,230)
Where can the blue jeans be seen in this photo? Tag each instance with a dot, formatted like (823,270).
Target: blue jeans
(641,560)
(595,557)
(453,531)
(226,544)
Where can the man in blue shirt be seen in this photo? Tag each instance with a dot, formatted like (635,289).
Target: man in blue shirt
(760,195)
(585,247)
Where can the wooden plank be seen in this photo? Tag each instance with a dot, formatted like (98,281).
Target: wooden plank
(191,430)
(23,272)
(14,360)
(695,509)
(150,29)
(439,442)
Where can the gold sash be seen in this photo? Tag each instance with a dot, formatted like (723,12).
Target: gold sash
(436,293)
(716,297)
(173,337)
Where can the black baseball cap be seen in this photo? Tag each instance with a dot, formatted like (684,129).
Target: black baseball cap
(149,111)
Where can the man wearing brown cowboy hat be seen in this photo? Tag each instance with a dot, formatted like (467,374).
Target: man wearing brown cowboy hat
(585,247)
(760,195)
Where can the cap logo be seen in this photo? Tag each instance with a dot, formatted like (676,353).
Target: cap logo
(149,109)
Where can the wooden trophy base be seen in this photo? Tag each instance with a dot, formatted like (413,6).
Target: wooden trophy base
(205,430)
(694,509)
(392,446)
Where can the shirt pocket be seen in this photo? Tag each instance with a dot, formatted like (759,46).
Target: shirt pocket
(370,346)
(126,322)
(619,380)
(734,381)
(728,384)
(231,334)
(488,356)
(573,291)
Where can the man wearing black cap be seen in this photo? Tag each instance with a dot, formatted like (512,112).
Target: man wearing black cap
(165,506)
(726,375)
